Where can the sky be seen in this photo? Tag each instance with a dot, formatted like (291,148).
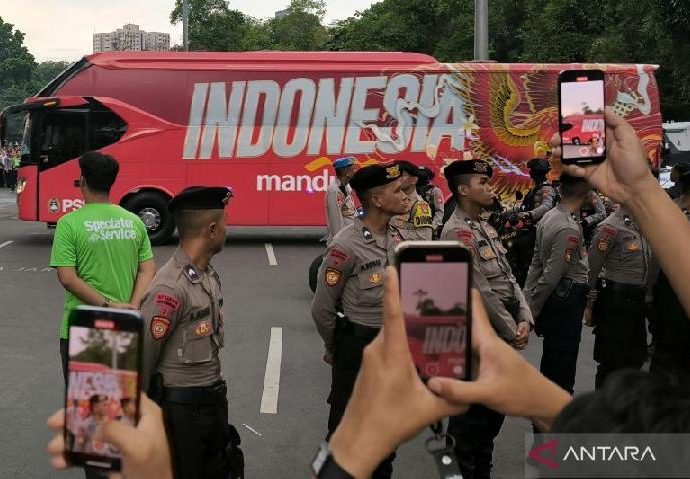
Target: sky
(445,283)
(63,29)
(573,94)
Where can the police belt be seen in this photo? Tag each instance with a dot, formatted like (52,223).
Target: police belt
(359,330)
(197,395)
(616,287)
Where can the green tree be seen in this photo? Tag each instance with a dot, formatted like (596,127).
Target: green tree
(98,349)
(213,25)
(16,65)
(301,29)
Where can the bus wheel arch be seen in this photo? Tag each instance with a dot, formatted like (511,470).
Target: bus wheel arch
(151,205)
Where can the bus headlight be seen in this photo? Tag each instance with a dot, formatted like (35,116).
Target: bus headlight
(21,184)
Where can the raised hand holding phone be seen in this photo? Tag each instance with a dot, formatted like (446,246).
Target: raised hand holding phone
(581,116)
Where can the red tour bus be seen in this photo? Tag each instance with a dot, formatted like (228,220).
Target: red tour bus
(270,124)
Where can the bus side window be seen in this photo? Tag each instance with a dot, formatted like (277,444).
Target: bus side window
(105,128)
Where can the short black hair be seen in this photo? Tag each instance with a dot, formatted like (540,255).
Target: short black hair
(190,223)
(98,170)
(573,187)
(631,401)
(455,181)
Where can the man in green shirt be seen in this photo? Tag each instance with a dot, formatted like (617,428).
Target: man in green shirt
(102,252)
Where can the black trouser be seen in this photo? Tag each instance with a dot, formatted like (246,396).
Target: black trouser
(347,361)
(560,323)
(521,252)
(12,179)
(671,332)
(197,424)
(2,177)
(474,434)
(620,334)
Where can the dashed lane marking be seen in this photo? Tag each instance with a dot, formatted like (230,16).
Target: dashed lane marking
(269,398)
(271,254)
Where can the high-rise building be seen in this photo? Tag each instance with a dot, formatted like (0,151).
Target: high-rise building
(130,37)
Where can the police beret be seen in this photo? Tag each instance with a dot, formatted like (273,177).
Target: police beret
(538,164)
(343,162)
(201,198)
(426,173)
(468,167)
(408,167)
(374,175)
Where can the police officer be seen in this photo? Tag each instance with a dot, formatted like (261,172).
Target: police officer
(508,311)
(184,332)
(433,195)
(540,199)
(669,324)
(556,287)
(340,206)
(417,223)
(616,303)
(352,275)
(592,213)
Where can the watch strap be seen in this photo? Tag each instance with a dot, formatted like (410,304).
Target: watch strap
(324,465)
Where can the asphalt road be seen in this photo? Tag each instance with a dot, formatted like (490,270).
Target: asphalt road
(258,297)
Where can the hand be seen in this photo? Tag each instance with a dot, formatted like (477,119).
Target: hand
(524,217)
(521,335)
(328,358)
(625,173)
(389,404)
(506,382)
(587,319)
(145,450)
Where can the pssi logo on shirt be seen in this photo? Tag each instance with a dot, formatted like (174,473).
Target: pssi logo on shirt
(110,229)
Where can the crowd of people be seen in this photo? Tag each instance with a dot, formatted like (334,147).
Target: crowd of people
(377,399)
(10,159)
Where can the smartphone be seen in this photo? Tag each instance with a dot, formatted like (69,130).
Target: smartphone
(103,381)
(581,116)
(435,281)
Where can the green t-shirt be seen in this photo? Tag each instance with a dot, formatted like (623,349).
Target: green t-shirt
(105,244)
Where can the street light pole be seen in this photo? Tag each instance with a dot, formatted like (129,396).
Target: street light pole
(481,29)
(185,22)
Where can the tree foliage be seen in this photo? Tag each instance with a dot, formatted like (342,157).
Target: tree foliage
(644,31)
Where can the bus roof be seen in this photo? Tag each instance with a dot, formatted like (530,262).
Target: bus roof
(275,60)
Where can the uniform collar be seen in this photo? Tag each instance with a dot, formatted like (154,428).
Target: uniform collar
(565,210)
(371,237)
(461,215)
(182,260)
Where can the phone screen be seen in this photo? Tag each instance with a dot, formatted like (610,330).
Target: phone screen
(583,126)
(435,304)
(102,385)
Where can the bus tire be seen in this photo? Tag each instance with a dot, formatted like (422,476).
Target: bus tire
(152,208)
(314,272)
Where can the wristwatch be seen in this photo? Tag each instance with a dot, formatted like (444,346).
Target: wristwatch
(324,466)
(106,303)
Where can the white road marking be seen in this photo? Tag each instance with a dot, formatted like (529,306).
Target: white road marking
(271,254)
(252,429)
(6,243)
(269,399)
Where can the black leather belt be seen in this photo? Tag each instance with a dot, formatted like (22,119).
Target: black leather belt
(361,331)
(617,287)
(196,395)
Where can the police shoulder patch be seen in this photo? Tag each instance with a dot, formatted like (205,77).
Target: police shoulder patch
(160,326)
(464,236)
(568,255)
(332,276)
(603,245)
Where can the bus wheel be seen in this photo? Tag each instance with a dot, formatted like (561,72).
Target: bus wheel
(152,208)
(314,271)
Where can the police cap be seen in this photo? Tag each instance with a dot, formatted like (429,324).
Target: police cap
(408,167)
(538,164)
(468,167)
(201,198)
(343,162)
(374,175)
